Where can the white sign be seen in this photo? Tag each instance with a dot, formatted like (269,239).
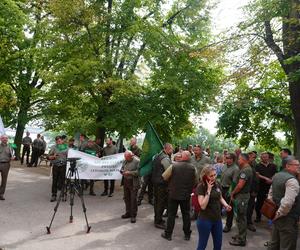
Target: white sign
(2,130)
(93,168)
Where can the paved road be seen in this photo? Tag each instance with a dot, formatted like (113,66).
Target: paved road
(27,211)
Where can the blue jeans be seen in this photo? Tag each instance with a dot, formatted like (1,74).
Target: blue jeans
(205,227)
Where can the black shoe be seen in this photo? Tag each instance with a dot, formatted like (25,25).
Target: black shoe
(125,216)
(2,198)
(92,193)
(226,229)
(237,243)
(257,220)
(133,220)
(235,237)
(187,236)
(53,198)
(104,193)
(251,228)
(111,195)
(160,225)
(165,236)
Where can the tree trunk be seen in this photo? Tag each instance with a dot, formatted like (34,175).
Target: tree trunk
(21,123)
(100,131)
(294,90)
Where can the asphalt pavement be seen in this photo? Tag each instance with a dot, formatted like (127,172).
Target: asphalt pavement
(27,211)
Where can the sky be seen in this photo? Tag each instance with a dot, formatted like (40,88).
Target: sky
(227,14)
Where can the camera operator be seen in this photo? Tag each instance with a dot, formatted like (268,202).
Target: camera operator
(58,157)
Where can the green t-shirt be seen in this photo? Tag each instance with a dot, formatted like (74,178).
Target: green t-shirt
(246,174)
(212,211)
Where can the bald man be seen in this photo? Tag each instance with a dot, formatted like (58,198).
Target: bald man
(5,157)
(131,185)
(181,177)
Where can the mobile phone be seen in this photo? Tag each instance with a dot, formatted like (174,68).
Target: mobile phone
(205,179)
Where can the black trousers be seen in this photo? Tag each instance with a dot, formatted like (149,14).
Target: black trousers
(160,202)
(261,196)
(4,169)
(185,211)
(36,153)
(130,198)
(26,150)
(112,185)
(58,178)
(229,215)
(147,182)
(250,209)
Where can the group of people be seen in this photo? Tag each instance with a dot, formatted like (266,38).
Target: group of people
(237,184)
(37,147)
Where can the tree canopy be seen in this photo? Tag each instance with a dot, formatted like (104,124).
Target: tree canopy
(266,97)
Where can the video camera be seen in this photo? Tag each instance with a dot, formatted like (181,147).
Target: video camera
(73,161)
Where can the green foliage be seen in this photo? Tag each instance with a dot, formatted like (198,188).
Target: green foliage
(256,113)
(120,65)
(206,139)
(263,99)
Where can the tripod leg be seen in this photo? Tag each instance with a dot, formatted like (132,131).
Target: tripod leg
(56,207)
(80,195)
(72,194)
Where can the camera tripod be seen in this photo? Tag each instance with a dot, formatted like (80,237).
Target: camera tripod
(73,186)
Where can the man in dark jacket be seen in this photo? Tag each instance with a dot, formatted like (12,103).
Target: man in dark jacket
(181,177)
(161,162)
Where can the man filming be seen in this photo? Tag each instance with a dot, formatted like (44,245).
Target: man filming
(58,157)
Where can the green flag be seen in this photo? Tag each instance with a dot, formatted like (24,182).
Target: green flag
(152,145)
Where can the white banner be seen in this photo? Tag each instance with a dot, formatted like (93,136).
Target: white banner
(93,168)
(2,130)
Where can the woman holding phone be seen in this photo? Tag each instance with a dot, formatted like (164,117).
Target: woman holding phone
(210,201)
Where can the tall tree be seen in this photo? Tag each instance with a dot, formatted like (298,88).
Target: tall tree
(121,63)
(273,26)
(25,60)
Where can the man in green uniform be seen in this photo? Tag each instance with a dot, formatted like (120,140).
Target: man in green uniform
(199,159)
(5,157)
(58,157)
(26,141)
(230,172)
(110,149)
(134,148)
(241,195)
(131,185)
